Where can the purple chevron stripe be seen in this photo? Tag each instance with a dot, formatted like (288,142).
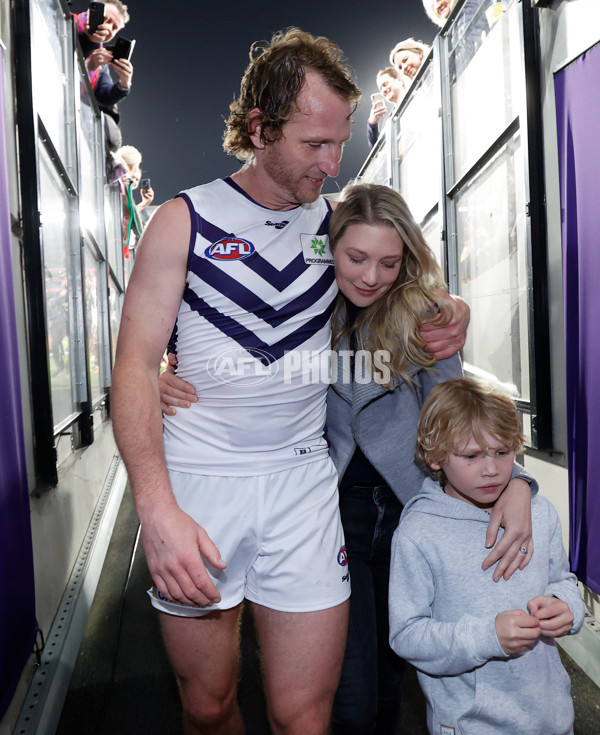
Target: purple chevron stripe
(279,279)
(249,301)
(172,346)
(324,228)
(247,339)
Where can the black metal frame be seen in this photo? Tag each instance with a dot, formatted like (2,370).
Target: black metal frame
(540,372)
(31,133)
(43,427)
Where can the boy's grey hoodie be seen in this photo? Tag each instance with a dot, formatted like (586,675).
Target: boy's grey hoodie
(442,619)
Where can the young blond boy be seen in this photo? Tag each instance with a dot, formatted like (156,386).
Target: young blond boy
(485,652)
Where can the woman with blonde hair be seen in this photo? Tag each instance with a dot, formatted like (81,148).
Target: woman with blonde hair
(389,285)
(407,57)
(389,282)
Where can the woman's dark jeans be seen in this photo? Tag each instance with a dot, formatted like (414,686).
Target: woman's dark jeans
(368,698)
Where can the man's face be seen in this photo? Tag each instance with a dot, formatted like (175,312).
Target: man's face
(113,19)
(391,88)
(443,7)
(293,169)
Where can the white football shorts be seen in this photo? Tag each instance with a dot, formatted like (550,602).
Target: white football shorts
(280,535)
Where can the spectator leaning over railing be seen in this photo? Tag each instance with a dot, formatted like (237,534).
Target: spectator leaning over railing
(97,57)
(474,20)
(391,86)
(134,219)
(438,10)
(407,57)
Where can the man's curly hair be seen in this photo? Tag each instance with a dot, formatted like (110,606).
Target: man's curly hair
(273,80)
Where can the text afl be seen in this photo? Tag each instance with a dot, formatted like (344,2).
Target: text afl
(229,248)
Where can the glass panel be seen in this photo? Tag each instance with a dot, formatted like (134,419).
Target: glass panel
(91,168)
(492,271)
(51,44)
(55,216)
(485,66)
(92,319)
(432,233)
(115,300)
(113,213)
(419,145)
(379,169)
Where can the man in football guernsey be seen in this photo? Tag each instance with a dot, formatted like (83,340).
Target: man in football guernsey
(238,498)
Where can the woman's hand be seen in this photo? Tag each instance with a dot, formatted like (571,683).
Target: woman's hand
(174,391)
(512,511)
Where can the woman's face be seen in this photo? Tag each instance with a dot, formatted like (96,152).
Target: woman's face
(408,62)
(135,174)
(367,261)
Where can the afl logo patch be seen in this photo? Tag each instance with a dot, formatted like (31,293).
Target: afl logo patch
(229,248)
(343,557)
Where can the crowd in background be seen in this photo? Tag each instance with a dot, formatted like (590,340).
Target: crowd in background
(105,51)
(407,57)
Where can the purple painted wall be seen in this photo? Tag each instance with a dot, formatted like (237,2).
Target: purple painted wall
(578,113)
(17,601)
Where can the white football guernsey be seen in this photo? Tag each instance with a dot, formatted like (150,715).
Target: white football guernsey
(252,335)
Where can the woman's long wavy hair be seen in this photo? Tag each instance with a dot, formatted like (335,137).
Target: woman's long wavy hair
(392,323)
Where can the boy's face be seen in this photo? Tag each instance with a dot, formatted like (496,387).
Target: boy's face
(478,474)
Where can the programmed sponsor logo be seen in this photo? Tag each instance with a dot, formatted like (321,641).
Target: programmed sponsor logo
(229,248)
(240,366)
(315,249)
(342,556)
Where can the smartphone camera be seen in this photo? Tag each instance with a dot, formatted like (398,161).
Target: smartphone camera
(95,16)
(123,48)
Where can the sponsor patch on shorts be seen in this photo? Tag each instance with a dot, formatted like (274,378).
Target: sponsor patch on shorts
(157,595)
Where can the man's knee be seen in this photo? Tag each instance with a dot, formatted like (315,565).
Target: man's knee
(298,715)
(207,710)
(303,723)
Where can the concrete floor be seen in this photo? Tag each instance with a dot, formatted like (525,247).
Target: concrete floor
(122,683)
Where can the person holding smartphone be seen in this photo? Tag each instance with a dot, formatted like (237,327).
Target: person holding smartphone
(391,89)
(95,27)
(92,36)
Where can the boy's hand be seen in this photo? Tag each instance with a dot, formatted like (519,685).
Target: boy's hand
(554,615)
(512,511)
(174,391)
(516,630)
